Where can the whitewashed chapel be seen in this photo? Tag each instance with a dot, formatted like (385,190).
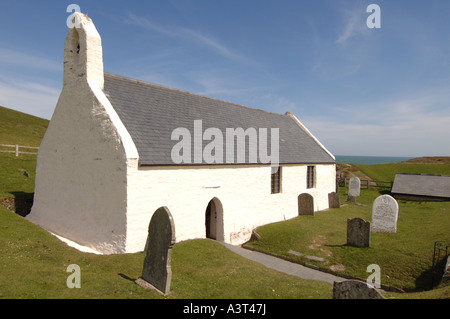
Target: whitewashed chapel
(117,149)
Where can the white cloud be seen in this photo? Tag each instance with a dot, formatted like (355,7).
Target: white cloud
(149,25)
(208,42)
(279,104)
(355,25)
(28,60)
(415,125)
(189,36)
(35,96)
(28,97)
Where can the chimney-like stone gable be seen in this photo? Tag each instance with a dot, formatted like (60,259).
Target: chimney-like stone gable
(83,52)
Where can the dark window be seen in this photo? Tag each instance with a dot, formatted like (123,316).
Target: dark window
(275,180)
(310,178)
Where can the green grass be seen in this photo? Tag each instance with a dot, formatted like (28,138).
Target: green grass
(20,128)
(12,174)
(34,264)
(386,172)
(404,257)
(25,130)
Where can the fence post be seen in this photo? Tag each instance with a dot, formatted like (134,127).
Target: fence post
(17,150)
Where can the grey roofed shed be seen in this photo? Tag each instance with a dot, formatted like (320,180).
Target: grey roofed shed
(151,112)
(421,186)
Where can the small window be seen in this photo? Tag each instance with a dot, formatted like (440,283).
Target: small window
(275,180)
(310,178)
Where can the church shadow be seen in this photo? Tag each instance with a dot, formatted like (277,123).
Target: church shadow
(431,277)
(21,203)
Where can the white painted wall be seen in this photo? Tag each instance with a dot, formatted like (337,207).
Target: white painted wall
(81,173)
(244,192)
(80,190)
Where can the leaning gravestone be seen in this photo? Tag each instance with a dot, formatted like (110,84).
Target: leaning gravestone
(333,200)
(157,272)
(354,289)
(354,187)
(384,215)
(358,232)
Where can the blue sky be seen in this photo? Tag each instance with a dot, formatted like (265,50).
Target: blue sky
(360,91)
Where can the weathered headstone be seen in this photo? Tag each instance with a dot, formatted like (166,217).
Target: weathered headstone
(157,271)
(333,200)
(305,204)
(354,289)
(358,232)
(384,215)
(354,189)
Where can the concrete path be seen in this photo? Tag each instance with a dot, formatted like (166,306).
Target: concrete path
(284,266)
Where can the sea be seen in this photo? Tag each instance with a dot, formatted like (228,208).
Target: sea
(369,160)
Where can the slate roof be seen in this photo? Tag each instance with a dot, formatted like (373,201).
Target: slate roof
(151,112)
(422,185)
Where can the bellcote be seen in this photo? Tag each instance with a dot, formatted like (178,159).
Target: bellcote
(83,56)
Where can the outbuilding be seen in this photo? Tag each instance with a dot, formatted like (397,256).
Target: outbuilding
(421,187)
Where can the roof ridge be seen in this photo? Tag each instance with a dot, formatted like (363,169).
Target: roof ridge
(190,93)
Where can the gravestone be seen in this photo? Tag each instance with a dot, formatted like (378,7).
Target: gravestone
(354,189)
(358,232)
(157,273)
(333,200)
(305,204)
(354,289)
(384,215)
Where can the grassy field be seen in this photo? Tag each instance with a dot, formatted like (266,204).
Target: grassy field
(386,172)
(404,257)
(12,174)
(33,263)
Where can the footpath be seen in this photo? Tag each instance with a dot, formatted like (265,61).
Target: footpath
(284,266)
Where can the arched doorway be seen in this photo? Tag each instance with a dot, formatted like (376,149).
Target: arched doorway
(214,220)
(305,204)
